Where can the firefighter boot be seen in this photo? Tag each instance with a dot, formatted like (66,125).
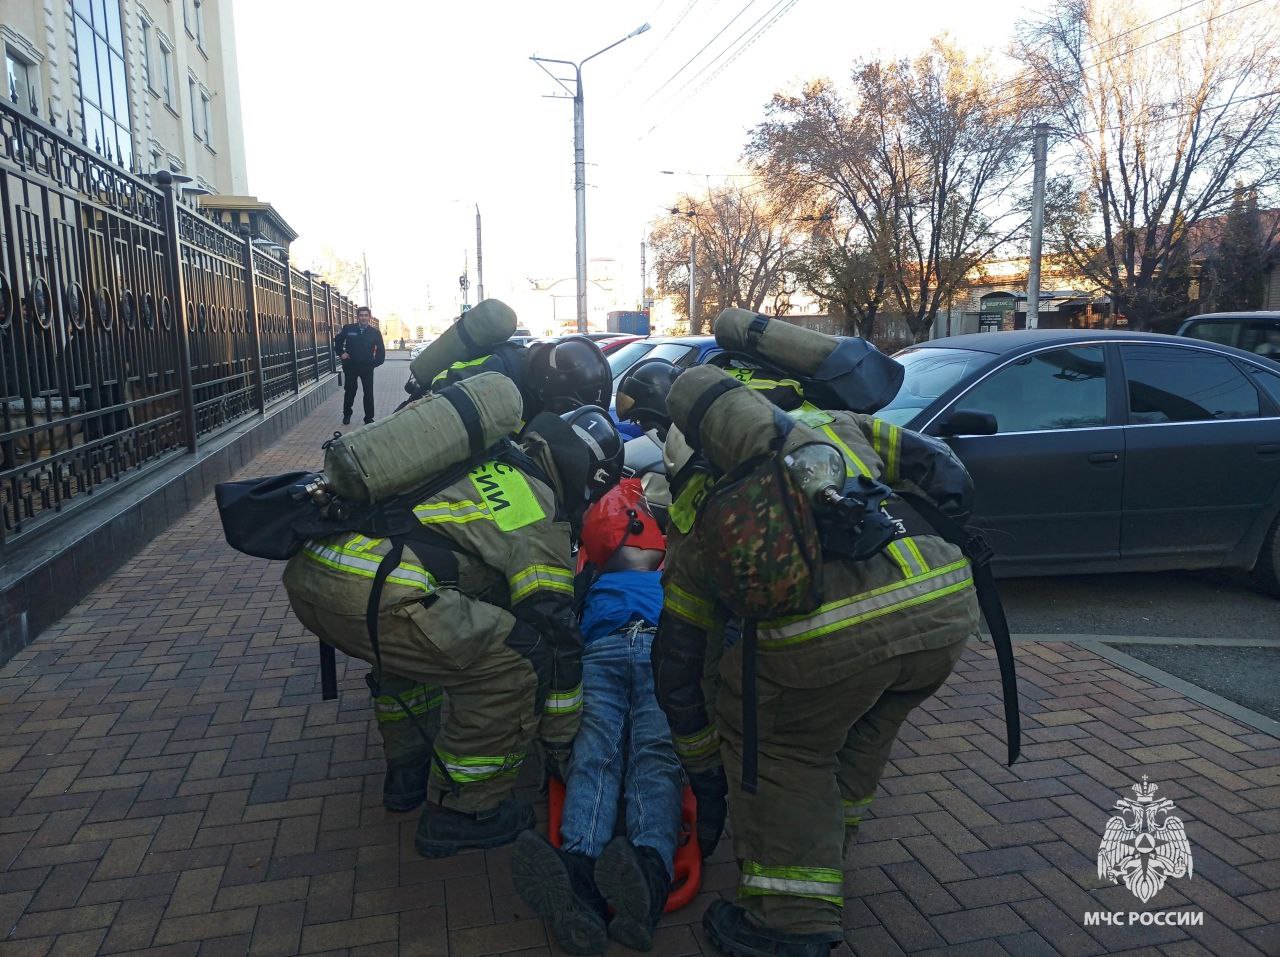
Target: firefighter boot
(443,831)
(408,716)
(635,884)
(734,934)
(560,887)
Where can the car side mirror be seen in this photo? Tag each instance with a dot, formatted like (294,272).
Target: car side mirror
(968,422)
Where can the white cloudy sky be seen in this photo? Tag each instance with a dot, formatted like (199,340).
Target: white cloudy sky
(375,126)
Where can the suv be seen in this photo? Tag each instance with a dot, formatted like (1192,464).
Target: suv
(1256,332)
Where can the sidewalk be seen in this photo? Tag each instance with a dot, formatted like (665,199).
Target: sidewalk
(172,783)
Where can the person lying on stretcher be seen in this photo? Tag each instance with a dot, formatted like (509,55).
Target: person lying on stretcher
(623,750)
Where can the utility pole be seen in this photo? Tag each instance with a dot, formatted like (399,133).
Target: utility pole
(479,260)
(580,163)
(644,278)
(1040,158)
(464,283)
(365,260)
(693,281)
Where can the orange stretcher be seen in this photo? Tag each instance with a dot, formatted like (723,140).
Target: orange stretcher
(688,860)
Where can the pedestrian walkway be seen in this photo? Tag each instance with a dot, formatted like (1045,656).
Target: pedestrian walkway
(172,783)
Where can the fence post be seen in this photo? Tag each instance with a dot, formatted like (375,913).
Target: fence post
(311,311)
(177,289)
(293,326)
(330,332)
(251,310)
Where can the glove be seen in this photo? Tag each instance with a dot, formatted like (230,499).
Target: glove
(415,390)
(710,788)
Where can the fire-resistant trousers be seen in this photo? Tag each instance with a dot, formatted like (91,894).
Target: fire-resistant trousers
(822,750)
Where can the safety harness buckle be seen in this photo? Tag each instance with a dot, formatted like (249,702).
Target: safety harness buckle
(977,549)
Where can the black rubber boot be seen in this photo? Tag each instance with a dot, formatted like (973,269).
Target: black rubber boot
(443,832)
(559,886)
(734,934)
(634,882)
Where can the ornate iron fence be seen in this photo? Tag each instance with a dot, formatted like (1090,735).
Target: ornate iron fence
(131,327)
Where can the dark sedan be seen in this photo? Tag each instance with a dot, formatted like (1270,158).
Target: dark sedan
(1107,451)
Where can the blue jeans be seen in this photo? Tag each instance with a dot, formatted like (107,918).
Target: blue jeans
(624,743)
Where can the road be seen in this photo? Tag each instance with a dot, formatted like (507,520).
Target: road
(1224,636)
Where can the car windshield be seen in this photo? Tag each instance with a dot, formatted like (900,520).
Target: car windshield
(620,360)
(930,372)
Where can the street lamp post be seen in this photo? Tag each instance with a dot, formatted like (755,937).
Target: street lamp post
(580,163)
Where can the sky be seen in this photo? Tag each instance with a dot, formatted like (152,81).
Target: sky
(376,127)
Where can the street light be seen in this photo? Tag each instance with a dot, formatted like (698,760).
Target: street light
(579,162)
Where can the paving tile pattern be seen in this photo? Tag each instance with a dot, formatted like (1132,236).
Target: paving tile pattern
(171,783)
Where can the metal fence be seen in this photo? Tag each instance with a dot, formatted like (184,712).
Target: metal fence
(132,329)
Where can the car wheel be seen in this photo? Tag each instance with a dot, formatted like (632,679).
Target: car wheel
(1266,574)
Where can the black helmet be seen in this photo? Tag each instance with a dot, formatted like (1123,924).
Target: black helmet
(600,436)
(570,373)
(642,394)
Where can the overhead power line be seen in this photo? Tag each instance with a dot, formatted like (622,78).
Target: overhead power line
(684,66)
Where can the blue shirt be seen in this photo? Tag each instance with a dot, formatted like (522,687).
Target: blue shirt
(618,598)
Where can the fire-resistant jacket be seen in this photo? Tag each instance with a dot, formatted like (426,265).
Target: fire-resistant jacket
(507,559)
(917,594)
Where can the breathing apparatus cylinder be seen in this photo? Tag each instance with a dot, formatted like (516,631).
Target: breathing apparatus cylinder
(426,437)
(475,334)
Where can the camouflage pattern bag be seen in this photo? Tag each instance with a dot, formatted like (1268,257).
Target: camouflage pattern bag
(759,542)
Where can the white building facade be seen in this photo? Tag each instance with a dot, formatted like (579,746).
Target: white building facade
(150,83)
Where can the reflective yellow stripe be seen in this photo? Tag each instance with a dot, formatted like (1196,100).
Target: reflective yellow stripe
(820,883)
(460,365)
(386,709)
(812,416)
(450,513)
(684,510)
(851,808)
(356,561)
(900,559)
(912,547)
(467,770)
(564,702)
(853,464)
(698,744)
(697,611)
(899,596)
(507,495)
(538,578)
(885,439)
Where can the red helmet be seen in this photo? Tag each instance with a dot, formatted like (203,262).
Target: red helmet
(620,517)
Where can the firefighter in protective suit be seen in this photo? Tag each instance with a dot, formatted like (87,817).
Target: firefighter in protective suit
(833,686)
(478,610)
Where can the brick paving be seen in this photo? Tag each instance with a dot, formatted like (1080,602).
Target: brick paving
(171,783)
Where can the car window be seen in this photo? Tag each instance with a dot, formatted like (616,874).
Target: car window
(674,352)
(1261,338)
(1268,381)
(620,360)
(929,373)
(1056,389)
(1171,384)
(1223,333)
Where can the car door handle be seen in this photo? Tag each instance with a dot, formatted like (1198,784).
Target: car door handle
(1272,449)
(1104,458)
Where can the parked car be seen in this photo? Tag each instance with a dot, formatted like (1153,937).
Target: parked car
(684,351)
(417,348)
(615,342)
(1256,332)
(1107,451)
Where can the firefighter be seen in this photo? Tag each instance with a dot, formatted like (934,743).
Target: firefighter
(833,685)
(478,609)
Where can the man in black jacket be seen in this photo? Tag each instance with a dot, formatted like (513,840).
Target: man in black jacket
(359,346)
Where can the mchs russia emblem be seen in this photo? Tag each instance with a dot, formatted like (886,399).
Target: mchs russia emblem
(1144,845)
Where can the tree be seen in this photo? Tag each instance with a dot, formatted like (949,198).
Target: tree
(341,273)
(1237,267)
(1161,116)
(838,267)
(923,155)
(745,237)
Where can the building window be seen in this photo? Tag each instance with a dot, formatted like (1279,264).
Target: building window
(199,23)
(186,17)
(195,113)
(207,115)
(104,91)
(166,73)
(144,34)
(19,80)
(157,158)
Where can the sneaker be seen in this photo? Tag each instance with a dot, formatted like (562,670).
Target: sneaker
(443,832)
(733,933)
(635,883)
(558,885)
